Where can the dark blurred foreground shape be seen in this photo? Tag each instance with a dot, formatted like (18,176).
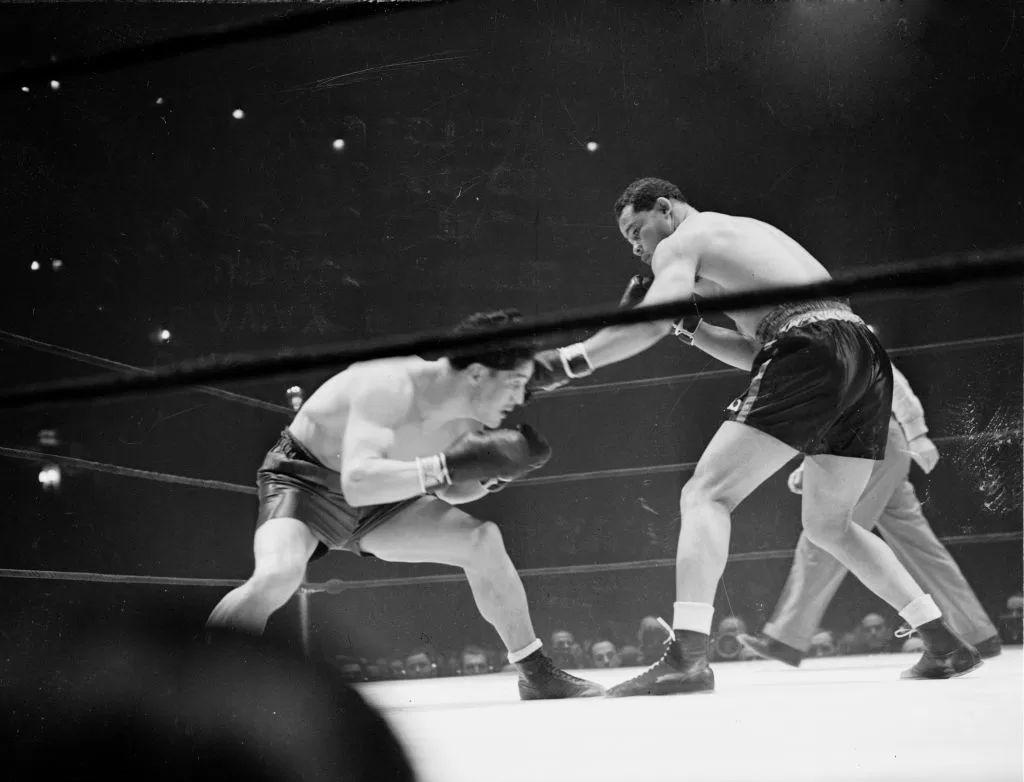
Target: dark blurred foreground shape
(160,704)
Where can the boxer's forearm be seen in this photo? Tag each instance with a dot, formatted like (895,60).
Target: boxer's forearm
(617,343)
(462,492)
(377,481)
(728,346)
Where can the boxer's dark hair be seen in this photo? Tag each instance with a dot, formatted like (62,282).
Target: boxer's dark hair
(642,194)
(505,357)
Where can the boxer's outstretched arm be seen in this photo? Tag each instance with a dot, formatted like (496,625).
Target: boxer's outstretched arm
(674,267)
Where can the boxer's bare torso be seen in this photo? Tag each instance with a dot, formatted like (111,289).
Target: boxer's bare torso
(321,423)
(739,254)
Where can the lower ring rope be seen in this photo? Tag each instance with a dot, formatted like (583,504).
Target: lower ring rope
(126,472)
(117,366)
(336,585)
(568,477)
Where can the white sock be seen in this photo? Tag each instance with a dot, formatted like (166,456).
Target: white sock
(526,651)
(695,617)
(920,610)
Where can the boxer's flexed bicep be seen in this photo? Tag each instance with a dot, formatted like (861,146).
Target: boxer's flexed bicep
(379,402)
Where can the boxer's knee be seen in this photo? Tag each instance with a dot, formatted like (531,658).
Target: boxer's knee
(485,547)
(827,528)
(281,557)
(702,504)
(704,525)
(277,578)
(706,489)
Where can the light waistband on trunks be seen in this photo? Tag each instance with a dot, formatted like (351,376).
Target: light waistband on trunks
(789,316)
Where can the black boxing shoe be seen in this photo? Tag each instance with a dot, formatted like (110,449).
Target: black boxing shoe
(768,648)
(683,668)
(990,647)
(945,656)
(539,679)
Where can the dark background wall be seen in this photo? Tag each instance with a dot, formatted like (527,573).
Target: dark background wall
(872,132)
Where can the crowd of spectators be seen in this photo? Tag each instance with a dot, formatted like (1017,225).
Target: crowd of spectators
(873,634)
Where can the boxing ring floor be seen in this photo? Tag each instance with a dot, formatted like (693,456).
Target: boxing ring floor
(836,719)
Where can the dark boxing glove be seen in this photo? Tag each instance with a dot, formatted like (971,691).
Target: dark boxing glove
(555,368)
(540,452)
(505,454)
(635,291)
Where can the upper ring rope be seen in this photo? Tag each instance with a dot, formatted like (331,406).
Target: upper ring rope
(944,270)
(276,26)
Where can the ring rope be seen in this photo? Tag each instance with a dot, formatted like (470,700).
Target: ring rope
(960,267)
(714,374)
(127,472)
(568,477)
(223,35)
(335,586)
(106,363)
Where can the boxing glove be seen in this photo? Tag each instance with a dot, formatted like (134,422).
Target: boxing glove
(635,291)
(505,454)
(555,368)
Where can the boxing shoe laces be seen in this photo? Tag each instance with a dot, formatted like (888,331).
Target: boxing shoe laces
(945,655)
(681,669)
(541,679)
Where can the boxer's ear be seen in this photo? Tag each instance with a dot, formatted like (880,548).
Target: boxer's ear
(476,372)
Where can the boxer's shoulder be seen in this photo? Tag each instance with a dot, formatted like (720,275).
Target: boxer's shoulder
(695,237)
(385,386)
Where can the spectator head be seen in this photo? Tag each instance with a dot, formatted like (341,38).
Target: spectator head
(1011,624)
(473,661)
(420,664)
(732,625)
(823,644)
(874,632)
(563,645)
(350,668)
(604,655)
(630,656)
(1015,605)
(913,644)
(562,641)
(651,637)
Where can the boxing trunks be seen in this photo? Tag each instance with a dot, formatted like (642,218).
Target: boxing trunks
(295,484)
(821,382)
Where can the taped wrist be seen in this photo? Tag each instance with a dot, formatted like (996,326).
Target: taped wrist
(685,328)
(433,472)
(575,361)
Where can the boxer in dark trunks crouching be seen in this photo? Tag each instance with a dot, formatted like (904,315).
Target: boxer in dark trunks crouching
(375,463)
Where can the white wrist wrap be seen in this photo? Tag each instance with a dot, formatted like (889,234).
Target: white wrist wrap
(433,472)
(575,360)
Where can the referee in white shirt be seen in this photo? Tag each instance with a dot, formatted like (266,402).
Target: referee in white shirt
(890,503)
